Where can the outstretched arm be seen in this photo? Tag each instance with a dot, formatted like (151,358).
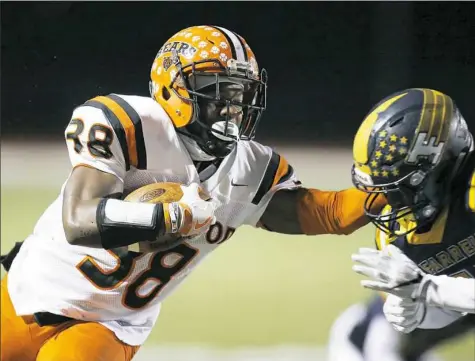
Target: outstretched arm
(312,211)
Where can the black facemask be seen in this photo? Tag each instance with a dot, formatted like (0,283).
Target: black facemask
(226,107)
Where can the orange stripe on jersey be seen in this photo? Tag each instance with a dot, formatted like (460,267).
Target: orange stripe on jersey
(282,171)
(127,124)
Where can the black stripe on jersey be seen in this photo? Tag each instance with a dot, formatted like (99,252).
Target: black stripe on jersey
(287,175)
(243,46)
(139,138)
(230,42)
(116,125)
(268,178)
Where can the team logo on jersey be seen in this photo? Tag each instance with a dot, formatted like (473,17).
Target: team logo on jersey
(182,48)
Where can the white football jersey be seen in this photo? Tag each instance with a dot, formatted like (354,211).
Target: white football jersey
(133,138)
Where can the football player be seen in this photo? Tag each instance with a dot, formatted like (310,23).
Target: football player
(415,148)
(72,284)
(413,290)
(361,333)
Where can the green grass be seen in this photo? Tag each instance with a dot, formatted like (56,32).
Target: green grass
(257,289)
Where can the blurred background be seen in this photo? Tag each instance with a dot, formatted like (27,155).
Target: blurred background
(260,296)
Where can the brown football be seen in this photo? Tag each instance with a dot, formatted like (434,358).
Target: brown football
(165,192)
(156,192)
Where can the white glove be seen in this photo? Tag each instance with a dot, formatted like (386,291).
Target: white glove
(389,271)
(404,314)
(191,215)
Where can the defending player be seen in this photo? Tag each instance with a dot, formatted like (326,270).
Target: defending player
(71,284)
(361,333)
(413,290)
(416,149)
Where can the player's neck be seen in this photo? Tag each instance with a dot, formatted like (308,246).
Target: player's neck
(194,150)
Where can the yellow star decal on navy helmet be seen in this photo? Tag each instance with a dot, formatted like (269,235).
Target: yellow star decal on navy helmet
(393,137)
(403,140)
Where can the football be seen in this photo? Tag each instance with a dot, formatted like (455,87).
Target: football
(165,192)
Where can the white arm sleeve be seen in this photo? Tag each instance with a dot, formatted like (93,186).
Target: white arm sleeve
(438,318)
(451,293)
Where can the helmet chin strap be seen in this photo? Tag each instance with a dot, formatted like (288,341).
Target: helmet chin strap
(215,146)
(218,129)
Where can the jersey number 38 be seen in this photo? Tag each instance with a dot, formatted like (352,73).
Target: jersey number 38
(160,268)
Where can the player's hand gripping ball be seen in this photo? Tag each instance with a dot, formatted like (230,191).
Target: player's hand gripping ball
(165,192)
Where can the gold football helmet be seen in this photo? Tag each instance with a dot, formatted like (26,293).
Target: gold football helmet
(191,69)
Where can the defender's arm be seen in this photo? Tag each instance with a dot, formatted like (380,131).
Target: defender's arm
(312,211)
(452,293)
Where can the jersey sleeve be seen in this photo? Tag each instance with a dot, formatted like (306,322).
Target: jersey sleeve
(436,318)
(278,175)
(106,133)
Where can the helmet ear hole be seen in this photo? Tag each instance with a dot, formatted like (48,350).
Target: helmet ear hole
(165,93)
(396,122)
